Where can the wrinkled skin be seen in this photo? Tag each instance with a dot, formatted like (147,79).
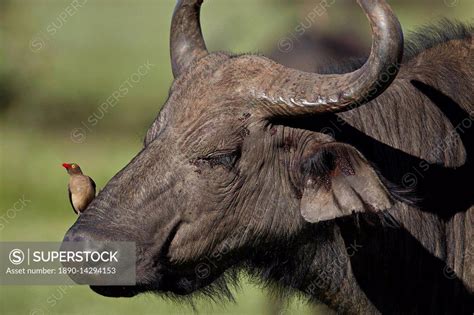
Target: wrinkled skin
(217,181)
(224,149)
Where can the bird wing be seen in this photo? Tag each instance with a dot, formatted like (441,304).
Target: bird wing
(70,199)
(93,184)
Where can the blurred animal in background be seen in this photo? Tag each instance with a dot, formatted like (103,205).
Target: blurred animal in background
(314,50)
(81,188)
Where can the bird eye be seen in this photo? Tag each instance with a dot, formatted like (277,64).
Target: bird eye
(73,166)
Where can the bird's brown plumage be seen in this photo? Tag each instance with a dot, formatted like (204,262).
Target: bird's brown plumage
(81,188)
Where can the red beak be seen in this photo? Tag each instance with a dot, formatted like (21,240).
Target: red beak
(66,165)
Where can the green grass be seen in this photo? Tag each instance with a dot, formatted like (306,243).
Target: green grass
(81,300)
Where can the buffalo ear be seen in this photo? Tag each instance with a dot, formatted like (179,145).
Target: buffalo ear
(339,181)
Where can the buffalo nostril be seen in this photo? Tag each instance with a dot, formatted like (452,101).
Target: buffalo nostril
(90,257)
(79,238)
(82,234)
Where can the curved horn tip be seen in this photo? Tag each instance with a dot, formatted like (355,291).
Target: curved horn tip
(346,91)
(186,41)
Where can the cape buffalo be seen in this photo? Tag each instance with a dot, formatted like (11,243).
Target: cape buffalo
(353,187)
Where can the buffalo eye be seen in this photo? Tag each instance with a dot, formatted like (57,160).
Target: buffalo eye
(226,159)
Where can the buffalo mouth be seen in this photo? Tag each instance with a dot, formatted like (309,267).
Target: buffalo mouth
(116,291)
(177,287)
(163,277)
(168,282)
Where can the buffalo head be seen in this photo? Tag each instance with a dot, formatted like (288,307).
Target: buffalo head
(220,179)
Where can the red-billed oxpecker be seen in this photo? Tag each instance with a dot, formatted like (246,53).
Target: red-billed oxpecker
(81,188)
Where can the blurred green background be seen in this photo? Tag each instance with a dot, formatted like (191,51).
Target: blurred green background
(59,64)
